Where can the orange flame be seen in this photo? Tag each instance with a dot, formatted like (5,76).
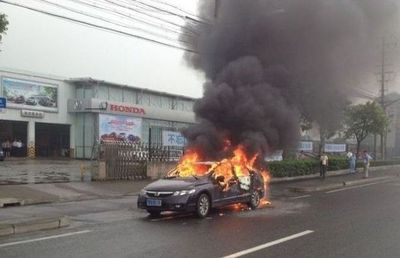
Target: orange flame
(239,165)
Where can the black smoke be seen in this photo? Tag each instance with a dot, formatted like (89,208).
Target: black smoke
(270,63)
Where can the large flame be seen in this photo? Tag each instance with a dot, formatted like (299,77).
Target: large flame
(237,166)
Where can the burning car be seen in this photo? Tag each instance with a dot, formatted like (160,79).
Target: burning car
(200,186)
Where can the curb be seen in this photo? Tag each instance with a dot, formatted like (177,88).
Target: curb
(7,229)
(309,189)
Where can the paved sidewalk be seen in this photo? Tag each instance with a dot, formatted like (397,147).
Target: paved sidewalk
(23,171)
(75,191)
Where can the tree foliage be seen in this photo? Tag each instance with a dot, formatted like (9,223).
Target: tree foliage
(3,24)
(364,119)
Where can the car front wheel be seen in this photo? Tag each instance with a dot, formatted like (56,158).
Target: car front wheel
(203,205)
(254,200)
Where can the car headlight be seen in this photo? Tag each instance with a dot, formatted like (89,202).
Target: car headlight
(184,192)
(142,192)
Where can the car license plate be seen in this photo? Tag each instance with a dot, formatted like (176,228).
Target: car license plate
(153,202)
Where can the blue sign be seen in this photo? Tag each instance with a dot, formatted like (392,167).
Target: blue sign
(3,102)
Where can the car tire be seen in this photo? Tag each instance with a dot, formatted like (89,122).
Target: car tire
(203,205)
(254,200)
(154,214)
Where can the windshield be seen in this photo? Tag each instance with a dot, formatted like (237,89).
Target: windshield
(195,169)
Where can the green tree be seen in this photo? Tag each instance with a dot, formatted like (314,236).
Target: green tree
(364,119)
(3,25)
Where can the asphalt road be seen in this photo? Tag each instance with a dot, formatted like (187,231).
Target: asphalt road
(359,221)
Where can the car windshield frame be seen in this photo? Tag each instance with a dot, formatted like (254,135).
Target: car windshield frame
(210,171)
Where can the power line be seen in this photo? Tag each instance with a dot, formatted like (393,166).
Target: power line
(184,17)
(181,10)
(106,20)
(123,15)
(98,26)
(130,7)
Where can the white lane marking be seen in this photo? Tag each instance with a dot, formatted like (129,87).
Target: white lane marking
(269,244)
(45,238)
(300,197)
(354,187)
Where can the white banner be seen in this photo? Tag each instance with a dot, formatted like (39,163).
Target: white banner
(331,147)
(305,146)
(173,139)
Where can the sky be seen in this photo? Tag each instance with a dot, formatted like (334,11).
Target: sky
(48,45)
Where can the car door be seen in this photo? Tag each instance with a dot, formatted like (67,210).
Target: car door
(216,191)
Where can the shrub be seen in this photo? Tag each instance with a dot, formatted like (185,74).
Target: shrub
(291,168)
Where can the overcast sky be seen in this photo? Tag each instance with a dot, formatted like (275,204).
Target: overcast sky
(42,44)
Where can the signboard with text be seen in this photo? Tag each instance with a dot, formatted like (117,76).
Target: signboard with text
(173,139)
(3,102)
(120,128)
(331,147)
(305,146)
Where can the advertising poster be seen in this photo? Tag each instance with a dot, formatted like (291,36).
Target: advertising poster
(120,128)
(173,139)
(30,95)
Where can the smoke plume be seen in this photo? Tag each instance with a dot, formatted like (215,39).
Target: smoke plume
(271,62)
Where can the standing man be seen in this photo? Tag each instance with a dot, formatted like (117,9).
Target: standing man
(324,164)
(366,160)
(351,157)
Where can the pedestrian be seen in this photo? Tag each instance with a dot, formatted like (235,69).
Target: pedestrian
(351,158)
(324,164)
(8,147)
(366,161)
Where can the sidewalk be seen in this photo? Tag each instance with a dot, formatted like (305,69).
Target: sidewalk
(23,171)
(27,194)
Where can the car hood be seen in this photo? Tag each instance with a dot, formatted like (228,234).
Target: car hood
(172,184)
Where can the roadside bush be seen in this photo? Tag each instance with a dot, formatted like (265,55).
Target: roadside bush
(291,168)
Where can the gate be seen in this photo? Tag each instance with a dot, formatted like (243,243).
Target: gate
(129,161)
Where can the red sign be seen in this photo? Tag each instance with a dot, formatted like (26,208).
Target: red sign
(127,109)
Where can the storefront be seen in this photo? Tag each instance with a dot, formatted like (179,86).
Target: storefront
(58,117)
(149,119)
(35,121)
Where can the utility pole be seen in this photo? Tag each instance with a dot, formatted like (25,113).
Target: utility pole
(383,80)
(216,8)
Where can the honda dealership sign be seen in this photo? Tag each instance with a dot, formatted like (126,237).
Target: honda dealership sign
(173,139)
(120,128)
(30,95)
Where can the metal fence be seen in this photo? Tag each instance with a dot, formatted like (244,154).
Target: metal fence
(128,161)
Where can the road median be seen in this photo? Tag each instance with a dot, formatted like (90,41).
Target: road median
(16,227)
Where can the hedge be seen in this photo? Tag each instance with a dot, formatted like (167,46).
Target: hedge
(291,168)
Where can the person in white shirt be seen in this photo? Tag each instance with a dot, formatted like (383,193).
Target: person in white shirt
(324,164)
(366,160)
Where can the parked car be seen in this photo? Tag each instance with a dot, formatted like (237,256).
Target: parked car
(201,193)
(44,101)
(31,101)
(2,154)
(20,100)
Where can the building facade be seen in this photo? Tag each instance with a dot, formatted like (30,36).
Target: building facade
(55,117)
